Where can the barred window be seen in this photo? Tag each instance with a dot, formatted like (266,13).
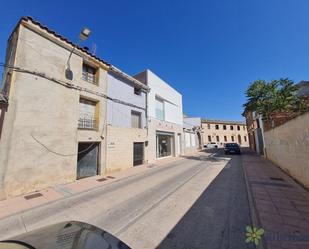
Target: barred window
(89,73)
(87,117)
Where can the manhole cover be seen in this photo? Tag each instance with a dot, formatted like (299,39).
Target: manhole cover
(101,179)
(36,195)
(272,184)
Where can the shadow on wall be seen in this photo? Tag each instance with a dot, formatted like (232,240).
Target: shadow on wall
(219,216)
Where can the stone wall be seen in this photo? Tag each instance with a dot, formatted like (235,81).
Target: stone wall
(288,147)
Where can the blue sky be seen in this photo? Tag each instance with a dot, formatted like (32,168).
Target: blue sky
(209,50)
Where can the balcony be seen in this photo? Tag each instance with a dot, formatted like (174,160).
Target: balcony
(87,124)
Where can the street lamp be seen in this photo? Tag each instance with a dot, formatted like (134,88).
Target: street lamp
(84,34)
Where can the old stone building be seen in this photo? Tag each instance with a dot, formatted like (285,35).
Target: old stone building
(56,103)
(221,132)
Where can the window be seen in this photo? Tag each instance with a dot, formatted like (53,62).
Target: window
(238,127)
(87,114)
(231,127)
(225,139)
(217,137)
(232,137)
(137,91)
(245,138)
(136,119)
(159,109)
(217,127)
(89,73)
(244,128)
(224,127)
(208,126)
(209,138)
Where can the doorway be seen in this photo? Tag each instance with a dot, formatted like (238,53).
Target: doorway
(164,144)
(87,159)
(239,139)
(178,144)
(138,154)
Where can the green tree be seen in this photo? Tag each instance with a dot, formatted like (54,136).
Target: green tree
(268,98)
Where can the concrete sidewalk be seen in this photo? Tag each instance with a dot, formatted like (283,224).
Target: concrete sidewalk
(281,204)
(22,203)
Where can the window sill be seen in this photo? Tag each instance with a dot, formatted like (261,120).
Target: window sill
(87,129)
(96,83)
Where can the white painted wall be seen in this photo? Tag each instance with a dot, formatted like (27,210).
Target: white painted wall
(172,99)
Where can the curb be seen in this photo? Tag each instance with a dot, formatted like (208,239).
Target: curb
(255,221)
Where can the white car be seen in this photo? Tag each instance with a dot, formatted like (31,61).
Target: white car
(211,145)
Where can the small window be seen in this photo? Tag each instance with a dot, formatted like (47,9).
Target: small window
(217,127)
(231,127)
(209,138)
(224,127)
(244,128)
(136,119)
(137,91)
(238,127)
(225,139)
(232,137)
(218,139)
(208,126)
(89,73)
(245,138)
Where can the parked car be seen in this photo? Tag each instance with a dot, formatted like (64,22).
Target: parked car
(232,148)
(68,235)
(211,145)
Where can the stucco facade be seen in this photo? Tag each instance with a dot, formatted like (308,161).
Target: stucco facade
(166,131)
(221,132)
(39,143)
(287,146)
(192,134)
(121,136)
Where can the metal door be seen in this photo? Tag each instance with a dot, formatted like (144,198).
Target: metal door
(138,153)
(87,160)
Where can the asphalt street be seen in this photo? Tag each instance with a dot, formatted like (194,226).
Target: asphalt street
(199,201)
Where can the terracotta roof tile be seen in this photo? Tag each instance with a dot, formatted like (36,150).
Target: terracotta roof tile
(54,33)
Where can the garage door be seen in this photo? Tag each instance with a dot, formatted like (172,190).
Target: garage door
(87,159)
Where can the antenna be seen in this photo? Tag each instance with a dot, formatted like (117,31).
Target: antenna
(94,48)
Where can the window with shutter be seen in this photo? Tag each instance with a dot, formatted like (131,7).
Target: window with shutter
(136,121)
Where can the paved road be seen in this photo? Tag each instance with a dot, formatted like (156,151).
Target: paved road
(196,202)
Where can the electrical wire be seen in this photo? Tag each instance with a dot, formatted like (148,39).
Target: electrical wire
(17,69)
(70,85)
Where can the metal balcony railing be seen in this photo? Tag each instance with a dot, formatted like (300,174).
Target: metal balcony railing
(87,123)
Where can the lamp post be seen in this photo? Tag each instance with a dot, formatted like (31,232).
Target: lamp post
(84,34)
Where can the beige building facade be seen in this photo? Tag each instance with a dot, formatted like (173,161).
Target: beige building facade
(221,132)
(54,127)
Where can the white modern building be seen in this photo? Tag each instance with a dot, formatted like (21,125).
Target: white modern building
(165,118)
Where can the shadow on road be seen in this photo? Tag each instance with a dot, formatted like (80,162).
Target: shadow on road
(219,216)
